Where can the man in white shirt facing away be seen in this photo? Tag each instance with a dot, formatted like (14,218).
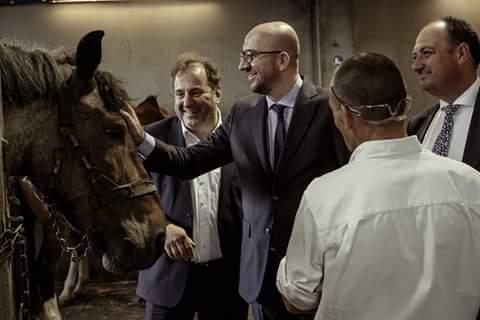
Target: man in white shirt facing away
(395,233)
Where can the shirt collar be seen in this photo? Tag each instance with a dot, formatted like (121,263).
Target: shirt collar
(289,99)
(467,98)
(386,148)
(187,134)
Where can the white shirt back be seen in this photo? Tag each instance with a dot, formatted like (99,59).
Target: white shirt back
(395,234)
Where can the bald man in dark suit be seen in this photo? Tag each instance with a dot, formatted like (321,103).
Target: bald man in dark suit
(280,139)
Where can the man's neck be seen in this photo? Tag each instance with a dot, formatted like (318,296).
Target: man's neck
(462,86)
(283,87)
(382,133)
(204,130)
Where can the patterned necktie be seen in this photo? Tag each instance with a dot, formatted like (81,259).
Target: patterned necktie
(443,140)
(279,133)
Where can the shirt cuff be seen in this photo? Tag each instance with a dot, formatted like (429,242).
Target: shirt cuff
(146,147)
(294,295)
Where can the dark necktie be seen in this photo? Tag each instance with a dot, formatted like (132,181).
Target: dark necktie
(443,140)
(279,133)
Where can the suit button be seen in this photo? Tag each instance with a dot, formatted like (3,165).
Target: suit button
(268,230)
(275,197)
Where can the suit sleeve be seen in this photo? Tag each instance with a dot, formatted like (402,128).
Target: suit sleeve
(414,125)
(420,122)
(188,163)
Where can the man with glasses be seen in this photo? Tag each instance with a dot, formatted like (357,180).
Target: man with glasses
(394,234)
(445,58)
(280,139)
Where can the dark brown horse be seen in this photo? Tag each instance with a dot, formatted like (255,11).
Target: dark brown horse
(148,111)
(64,130)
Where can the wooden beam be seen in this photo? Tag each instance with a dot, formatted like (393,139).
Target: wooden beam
(7,305)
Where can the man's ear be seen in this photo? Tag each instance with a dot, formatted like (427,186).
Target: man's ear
(284,60)
(463,53)
(348,117)
(217,97)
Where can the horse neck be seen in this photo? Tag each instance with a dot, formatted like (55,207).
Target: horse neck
(30,132)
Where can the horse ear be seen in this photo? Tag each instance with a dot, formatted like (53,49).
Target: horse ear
(152,100)
(89,54)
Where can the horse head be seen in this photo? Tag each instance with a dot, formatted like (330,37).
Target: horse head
(70,139)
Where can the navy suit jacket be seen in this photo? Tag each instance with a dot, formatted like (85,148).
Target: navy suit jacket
(163,283)
(471,156)
(270,198)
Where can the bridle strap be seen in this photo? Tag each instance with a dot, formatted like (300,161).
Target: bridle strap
(131,190)
(42,210)
(104,187)
(34,200)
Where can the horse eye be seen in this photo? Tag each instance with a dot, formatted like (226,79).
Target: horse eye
(115,133)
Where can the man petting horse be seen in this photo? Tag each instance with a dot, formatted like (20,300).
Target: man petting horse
(198,272)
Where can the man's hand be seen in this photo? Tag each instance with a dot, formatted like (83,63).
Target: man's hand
(134,125)
(178,244)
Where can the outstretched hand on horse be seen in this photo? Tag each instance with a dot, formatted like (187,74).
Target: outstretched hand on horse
(178,245)
(133,123)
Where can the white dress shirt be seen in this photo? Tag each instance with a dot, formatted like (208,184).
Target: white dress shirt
(289,102)
(461,124)
(205,193)
(205,196)
(394,234)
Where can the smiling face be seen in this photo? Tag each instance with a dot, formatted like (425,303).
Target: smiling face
(263,71)
(435,61)
(195,101)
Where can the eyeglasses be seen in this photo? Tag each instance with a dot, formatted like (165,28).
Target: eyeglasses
(373,113)
(249,55)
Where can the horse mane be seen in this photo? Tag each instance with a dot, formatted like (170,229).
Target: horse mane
(111,91)
(27,76)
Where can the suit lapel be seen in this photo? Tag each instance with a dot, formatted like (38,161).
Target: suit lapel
(302,117)
(259,132)
(426,124)
(175,137)
(471,155)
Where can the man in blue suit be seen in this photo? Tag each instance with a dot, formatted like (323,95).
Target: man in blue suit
(198,271)
(280,139)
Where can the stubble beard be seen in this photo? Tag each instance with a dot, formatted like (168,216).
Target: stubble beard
(260,88)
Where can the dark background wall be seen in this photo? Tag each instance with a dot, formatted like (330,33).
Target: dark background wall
(389,27)
(144,37)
